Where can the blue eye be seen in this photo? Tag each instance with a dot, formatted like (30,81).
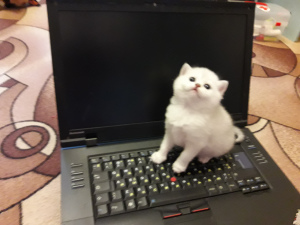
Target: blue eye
(207,86)
(192,79)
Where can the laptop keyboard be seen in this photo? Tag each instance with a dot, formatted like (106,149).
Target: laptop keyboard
(129,181)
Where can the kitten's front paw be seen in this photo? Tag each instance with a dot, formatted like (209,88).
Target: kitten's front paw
(178,168)
(158,158)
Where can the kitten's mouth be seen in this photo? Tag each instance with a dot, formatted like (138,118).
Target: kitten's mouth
(196,87)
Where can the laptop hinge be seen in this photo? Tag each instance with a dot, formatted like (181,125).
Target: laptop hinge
(88,139)
(76,134)
(90,142)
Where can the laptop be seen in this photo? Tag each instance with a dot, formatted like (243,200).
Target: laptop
(114,63)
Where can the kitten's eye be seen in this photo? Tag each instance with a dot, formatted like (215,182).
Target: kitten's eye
(207,86)
(192,79)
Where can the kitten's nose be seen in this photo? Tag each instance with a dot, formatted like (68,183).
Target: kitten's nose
(197,85)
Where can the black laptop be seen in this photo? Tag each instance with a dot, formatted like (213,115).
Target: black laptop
(114,64)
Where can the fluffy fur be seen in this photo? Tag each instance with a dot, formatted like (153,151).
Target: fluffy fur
(196,120)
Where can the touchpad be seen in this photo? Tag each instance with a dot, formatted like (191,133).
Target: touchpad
(200,218)
(195,212)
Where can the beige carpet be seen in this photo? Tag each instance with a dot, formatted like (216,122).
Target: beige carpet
(29,156)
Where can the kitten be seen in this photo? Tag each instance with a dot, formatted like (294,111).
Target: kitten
(196,120)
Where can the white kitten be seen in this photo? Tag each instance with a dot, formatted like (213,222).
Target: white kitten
(196,120)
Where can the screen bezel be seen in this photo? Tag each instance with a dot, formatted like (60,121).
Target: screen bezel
(142,130)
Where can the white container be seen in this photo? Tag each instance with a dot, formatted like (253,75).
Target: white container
(270,19)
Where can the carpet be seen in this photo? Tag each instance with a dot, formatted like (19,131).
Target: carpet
(29,138)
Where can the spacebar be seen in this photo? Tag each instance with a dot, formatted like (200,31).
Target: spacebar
(177,196)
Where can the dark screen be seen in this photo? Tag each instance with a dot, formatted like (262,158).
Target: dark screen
(119,66)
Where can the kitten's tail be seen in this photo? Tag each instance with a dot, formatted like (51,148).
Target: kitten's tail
(239,135)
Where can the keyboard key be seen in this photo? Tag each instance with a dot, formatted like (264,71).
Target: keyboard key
(102,198)
(108,166)
(227,176)
(128,193)
(258,179)
(127,173)
(209,172)
(250,181)
(116,208)
(151,152)
(185,184)
(94,160)
(160,168)
(102,210)
(115,157)
(115,175)
(208,181)
(144,180)
(138,171)
(102,187)
(196,182)
(241,183)
(263,186)
(152,189)
(164,187)
(227,167)
(134,154)
(96,167)
(211,189)
(105,158)
(130,205)
(219,170)
(120,184)
(246,190)
(143,153)
(141,192)
(236,165)
(197,172)
(229,158)
(132,182)
(174,197)
(218,179)
(255,187)
(188,175)
(142,203)
(100,177)
(130,163)
(221,160)
(116,196)
(165,176)
(119,164)
(149,169)
(141,161)
(232,185)
(124,156)
(175,186)
(155,178)
(222,188)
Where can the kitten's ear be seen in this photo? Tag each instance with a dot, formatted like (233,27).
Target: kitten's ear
(184,69)
(222,86)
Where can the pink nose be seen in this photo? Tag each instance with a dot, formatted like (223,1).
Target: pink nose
(197,85)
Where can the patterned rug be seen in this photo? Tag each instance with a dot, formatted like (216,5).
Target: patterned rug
(29,154)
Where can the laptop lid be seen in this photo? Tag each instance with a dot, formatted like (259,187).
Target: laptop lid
(114,62)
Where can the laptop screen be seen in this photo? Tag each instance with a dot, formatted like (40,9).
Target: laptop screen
(118,66)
